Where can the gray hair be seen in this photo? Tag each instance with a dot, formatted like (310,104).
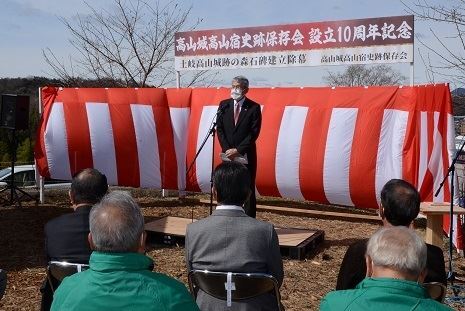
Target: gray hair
(116,223)
(398,248)
(243,81)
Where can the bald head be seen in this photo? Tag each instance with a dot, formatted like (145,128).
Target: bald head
(116,224)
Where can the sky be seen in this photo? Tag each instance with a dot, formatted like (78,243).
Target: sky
(29,26)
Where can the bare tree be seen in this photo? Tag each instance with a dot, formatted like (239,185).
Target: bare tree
(131,44)
(451,63)
(362,75)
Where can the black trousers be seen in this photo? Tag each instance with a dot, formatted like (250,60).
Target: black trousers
(250,206)
(47,294)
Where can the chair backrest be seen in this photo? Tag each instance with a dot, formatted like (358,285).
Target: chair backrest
(58,270)
(436,290)
(233,286)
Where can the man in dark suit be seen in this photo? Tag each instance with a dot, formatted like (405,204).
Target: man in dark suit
(66,235)
(230,241)
(400,205)
(238,124)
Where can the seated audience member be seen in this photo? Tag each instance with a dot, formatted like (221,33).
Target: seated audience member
(120,276)
(230,241)
(3,280)
(400,205)
(396,267)
(66,235)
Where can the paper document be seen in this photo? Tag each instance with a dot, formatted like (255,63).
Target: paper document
(240,159)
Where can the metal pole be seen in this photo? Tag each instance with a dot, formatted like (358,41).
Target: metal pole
(41,179)
(450,273)
(13,159)
(181,192)
(213,167)
(411,74)
(178,79)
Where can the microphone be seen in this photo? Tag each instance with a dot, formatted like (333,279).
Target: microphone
(221,109)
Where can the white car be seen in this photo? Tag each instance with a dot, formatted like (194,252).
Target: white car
(25,177)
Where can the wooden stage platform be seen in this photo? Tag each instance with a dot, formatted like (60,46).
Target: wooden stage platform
(295,243)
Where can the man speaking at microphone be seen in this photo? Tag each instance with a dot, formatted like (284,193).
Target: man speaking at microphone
(238,124)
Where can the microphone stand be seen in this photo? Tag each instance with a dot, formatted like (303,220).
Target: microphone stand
(212,132)
(451,171)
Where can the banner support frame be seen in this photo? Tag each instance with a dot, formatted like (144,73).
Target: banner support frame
(40,178)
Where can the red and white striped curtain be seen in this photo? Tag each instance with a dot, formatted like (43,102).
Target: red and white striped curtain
(330,145)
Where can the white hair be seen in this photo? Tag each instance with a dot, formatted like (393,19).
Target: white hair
(116,223)
(243,81)
(398,248)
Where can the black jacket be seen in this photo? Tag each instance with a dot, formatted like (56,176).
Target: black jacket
(243,135)
(66,237)
(353,266)
(66,240)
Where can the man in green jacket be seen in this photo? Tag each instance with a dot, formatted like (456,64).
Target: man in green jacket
(120,277)
(396,261)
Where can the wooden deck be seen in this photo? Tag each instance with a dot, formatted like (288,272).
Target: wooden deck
(295,243)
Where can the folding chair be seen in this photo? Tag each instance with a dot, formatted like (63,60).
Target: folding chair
(233,286)
(58,270)
(436,290)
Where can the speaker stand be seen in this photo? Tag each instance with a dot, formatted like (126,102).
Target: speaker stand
(16,194)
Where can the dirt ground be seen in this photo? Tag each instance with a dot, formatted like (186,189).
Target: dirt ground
(305,282)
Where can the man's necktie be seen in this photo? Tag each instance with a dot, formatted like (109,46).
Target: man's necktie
(237,111)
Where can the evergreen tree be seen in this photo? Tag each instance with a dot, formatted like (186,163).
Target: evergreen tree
(25,152)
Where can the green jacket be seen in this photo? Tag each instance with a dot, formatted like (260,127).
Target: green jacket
(382,294)
(121,281)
